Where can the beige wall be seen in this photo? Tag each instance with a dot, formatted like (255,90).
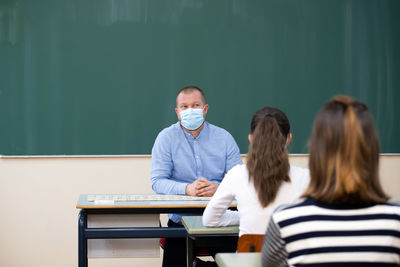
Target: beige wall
(38,197)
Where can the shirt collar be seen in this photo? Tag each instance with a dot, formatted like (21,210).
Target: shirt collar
(341,206)
(202,132)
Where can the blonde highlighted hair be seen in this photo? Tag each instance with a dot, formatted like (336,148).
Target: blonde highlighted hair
(344,154)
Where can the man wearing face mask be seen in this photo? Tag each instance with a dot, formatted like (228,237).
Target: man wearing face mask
(190,157)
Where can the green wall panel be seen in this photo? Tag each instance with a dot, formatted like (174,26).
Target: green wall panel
(101,76)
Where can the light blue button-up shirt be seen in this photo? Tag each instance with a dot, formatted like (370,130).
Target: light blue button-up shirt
(178,159)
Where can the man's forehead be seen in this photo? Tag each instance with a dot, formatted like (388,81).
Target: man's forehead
(194,96)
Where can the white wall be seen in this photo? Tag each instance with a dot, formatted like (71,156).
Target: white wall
(38,195)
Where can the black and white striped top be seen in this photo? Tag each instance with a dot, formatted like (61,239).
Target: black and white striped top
(313,234)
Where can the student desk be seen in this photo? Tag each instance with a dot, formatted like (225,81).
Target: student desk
(210,237)
(251,259)
(132,204)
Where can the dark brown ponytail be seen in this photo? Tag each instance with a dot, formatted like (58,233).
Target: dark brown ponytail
(267,159)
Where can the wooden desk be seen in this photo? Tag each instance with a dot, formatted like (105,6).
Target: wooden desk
(210,237)
(251,259)
(130,207)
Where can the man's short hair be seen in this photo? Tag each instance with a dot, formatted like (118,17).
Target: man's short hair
(190,89)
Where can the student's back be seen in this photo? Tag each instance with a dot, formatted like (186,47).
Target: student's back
(316,233)
(251,216)
(344,218)
(266,181)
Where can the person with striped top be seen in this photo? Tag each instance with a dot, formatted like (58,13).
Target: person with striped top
(344,217)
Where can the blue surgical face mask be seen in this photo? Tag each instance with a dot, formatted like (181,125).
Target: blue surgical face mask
(192,118)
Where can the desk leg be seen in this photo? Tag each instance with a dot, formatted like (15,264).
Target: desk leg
(82,241)
(189,251)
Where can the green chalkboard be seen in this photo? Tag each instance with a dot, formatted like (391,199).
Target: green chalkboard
(100,76)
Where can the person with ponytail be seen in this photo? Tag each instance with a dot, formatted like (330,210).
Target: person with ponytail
(264,182)
(344,218)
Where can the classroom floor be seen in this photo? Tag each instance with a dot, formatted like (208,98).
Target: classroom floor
(130,262)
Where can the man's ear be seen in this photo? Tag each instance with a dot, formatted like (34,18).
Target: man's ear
(205,110)
(177,114)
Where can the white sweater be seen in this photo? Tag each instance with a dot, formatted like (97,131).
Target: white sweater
(251,217)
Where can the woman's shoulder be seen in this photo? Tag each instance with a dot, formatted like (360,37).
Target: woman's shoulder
(299,170)
(238,170)
(391,206)
(299,174)
(299,177)
(287,207)
(238,173)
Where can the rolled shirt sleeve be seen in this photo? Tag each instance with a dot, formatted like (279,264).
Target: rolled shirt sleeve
(161,168)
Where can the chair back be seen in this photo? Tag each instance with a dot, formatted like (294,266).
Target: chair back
(250,243)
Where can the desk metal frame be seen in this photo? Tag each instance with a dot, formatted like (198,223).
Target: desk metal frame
(85,233)
(211,241)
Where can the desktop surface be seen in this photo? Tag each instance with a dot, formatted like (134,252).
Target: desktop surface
(194,226)
(252,259)
(137,201)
